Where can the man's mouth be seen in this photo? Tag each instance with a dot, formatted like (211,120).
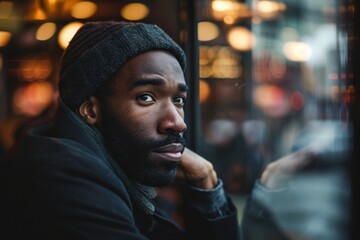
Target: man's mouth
(171,152)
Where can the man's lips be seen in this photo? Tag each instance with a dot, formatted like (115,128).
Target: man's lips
(170,152)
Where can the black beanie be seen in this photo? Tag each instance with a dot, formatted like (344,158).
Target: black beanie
(99,49)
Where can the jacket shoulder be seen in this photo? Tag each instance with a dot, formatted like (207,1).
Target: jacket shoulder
(62,186)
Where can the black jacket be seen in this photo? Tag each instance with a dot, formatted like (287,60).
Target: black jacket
(57,183)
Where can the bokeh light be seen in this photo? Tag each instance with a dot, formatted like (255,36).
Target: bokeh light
(297,51)
(241,38)
(207,31)
(83,10)
(35,69)
(269,9)
(31,99)
(134,11)
(229,19)
(4,38)
(269,6)
(219,62)
(229,11)
(271,99)
(222,5)
(45,31)
(204,91)
(67,33)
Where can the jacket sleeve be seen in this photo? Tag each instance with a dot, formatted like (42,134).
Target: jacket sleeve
(81,198)
(257,221)
(208,218)
(210,215)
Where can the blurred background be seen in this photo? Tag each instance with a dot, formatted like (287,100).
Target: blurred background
(267,78)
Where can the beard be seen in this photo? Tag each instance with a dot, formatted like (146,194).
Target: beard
(131,149)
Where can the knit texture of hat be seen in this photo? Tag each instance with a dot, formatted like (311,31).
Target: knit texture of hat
(99,49)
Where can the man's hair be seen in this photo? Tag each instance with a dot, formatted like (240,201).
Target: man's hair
(97,52)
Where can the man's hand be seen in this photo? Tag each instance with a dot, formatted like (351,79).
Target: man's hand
(196,170)
(277,172)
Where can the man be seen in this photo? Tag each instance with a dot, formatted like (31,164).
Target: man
(117,134)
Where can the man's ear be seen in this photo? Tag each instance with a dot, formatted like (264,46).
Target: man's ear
(90,111)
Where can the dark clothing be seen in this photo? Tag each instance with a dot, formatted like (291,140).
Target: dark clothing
(59,182)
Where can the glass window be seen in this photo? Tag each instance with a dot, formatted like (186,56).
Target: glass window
(274,79)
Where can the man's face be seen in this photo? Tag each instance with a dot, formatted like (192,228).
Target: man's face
(143,121)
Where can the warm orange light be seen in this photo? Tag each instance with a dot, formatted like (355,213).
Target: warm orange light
(67,33)
(204,91)
(38,14)
(222,5)
(229,19)
(271,99)
(33,98)
(219,62)
(229,11)
(83,10)
(268,6)
(241,38)
(35,69)
(45,31)
(134,11)
(6,8)
(205,71)
(4,38)
(207,31)
(269,9)
(297,51)
(226,68)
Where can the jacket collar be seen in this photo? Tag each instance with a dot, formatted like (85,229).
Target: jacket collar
(69,125)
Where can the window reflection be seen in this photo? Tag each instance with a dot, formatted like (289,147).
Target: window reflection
(283,85)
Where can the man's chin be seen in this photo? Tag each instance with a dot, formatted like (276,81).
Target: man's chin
(158,179)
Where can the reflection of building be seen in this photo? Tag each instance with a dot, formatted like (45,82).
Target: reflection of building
(292,60)
(286,60)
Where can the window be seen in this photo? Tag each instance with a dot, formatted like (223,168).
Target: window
(275,77)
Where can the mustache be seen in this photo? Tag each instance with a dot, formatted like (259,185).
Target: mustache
(171,138)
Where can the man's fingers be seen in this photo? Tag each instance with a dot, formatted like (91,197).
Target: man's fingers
(196,170)
(279,171)
(294,162)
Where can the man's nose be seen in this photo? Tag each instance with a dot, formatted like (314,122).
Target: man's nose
(171,119)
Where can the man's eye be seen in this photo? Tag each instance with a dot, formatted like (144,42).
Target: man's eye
(145,98)
(179,101)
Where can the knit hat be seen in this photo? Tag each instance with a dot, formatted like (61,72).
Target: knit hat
(99,49)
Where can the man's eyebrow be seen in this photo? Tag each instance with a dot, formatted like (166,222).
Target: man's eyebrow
(183,87)
(156,82)
(144,82)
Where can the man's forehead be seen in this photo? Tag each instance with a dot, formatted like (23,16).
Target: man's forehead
(158,81)
(155,59)
(153,68)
